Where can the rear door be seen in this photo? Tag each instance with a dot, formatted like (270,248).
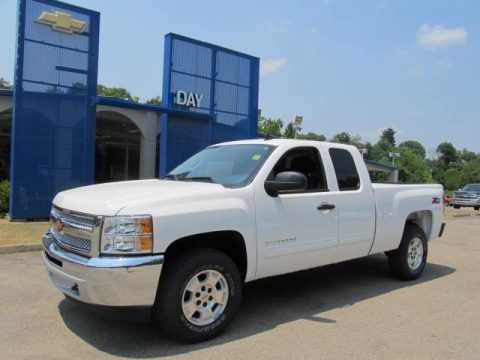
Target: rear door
(296,230)
(356,204)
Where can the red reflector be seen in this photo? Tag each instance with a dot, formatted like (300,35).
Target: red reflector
(435,200)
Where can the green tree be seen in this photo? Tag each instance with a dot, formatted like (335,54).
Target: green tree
(4,196)
(312,136)
(5,85)
(438,174)
(447,154)
(357,141)
(343,138)
(452,179)
(156,100)
(466,156)
(270,126)
(470,173)
(415,146)
(289,131)
(413,168)
(379,151)
(116,92)
(388,135)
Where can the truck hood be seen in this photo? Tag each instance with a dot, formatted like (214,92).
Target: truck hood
(108,199)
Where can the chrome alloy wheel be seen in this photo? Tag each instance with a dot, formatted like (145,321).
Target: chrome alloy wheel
(415,253)
(205,297)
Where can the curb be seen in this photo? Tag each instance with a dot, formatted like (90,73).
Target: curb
(19,248)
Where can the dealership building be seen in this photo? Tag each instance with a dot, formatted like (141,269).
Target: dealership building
(56,133)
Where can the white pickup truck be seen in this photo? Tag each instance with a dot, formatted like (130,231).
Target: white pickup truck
(235,212)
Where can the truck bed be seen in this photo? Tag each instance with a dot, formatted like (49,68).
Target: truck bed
(397,202)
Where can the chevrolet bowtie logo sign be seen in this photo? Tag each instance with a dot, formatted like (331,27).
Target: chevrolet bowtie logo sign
(63,22)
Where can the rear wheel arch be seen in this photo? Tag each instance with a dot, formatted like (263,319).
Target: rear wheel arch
(423,219)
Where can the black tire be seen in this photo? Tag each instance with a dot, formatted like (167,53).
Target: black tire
(168,311)
(398,259)
(456,206)
(476,207)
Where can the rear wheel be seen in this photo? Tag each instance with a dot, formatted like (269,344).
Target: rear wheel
(409,260)
(456,206)
(198,295)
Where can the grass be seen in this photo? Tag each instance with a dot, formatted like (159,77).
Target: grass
(22,233)
(464,211)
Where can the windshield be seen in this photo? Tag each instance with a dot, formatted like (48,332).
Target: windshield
(228,165)
(471,187)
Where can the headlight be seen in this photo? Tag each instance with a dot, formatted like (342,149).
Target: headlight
(127,234)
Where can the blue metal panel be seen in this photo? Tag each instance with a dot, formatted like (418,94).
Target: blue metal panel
(228,82)
(53,133)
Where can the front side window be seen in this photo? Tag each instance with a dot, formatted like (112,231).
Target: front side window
(228,165)
(307,161)
(345,169)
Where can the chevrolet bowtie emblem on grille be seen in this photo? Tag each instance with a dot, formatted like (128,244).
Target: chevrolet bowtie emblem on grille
(59,225)
(63,22)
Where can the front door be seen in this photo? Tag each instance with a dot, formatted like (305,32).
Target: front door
(296,230)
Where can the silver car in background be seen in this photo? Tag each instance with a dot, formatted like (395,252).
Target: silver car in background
(468,196)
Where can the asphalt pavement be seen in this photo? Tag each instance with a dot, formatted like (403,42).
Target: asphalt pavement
(352,310)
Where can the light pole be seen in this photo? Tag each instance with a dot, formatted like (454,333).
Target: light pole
(297,122)
(393,155)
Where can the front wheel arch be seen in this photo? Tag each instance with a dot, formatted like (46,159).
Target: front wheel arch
(230,242)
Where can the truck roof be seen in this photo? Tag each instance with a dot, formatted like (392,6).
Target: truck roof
(278,142)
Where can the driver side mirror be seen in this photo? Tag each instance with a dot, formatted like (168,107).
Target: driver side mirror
(286,181)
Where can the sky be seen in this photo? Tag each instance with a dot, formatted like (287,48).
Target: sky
(355,66)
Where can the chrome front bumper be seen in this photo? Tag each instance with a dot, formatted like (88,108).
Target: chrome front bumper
(109,281)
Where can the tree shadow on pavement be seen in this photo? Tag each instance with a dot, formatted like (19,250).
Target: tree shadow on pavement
(266,304)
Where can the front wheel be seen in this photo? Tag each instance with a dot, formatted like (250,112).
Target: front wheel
(409,260)
(198,295)
(476,207)
(456,206)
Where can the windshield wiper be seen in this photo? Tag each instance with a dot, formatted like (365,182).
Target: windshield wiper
(180,176)
(199,178)
(171,177)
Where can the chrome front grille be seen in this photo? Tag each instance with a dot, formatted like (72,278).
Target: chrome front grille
(75,231)
(466,196)
(82,221)
(84,245)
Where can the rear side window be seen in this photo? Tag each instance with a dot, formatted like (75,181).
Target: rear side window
(345,169)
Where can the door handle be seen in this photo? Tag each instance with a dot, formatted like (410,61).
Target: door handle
(326,206)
